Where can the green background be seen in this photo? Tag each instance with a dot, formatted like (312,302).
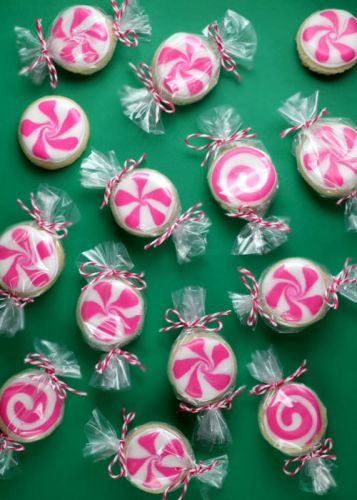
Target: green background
(54,468)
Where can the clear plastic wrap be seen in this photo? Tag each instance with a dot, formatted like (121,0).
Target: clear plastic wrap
(293,420)
(167,462)
(186,67)
(293,294)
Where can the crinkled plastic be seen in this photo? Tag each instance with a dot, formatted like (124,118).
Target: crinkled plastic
(97,169)
(317,476)
(351,214)
(116,377)
(102,439)
(9,459)
(257,239)
(212,430)
(190,239)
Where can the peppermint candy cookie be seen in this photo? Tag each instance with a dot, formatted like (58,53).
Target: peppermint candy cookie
(31,260)
(185,68)
(53,132)
(30,408)
(327,41)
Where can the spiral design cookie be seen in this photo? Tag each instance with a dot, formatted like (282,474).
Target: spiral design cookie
(53,132)
(292,292)
(202,368)
(327,158)
(293,419)
(30,260)
(145,203)
(156,457)
(110,313)
(185,68)
(81,39)
(242,175)
(30,408)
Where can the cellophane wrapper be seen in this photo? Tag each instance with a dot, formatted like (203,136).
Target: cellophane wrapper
(265,367)
(64,361)
(9,461)
(242,305)
(349,290)
(102,439)
(12,317)
(213,478)
(135,19)
(190,239)
(317,476)
(98,168)
(29,49)
(56,205)
(260,240)
(141,108)
(351,214)
(115,378)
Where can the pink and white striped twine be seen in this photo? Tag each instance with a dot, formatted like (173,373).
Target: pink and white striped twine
(322,452)
(128,37)
(7,443)
(343,277)
(224,404)
(213,143)
(261,389)
(227,62)
(120,456)
(18,301)
(306,124)
(178,321)
(135,280)
(353,194)
(102,366)
(248,214)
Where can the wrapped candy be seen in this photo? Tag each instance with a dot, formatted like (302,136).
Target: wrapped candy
(186,67)
(293,420)
(325,150)
(293,294)
(31,255)
(202,367)
(81,39)
(32,402)
(241,177)
(154,457)
(145,203)
(110,311)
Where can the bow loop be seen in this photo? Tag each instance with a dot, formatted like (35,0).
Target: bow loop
(306,124)
(134,280)
(323,451)
(208,322)
(7,443)
(227,62)
(261,389)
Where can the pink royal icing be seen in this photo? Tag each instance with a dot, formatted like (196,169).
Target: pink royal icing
(29,260)
(292,417)
(329,37)
(29,406)
(243,175)
(328,157)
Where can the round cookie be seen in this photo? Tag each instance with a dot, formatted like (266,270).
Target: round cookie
(30,260)
(53,132)
(202,367)
(292,292)
(292,419)
(185,68)
(145,203)
(327,158)
(242,175)
(327,41)
(82,39)
(110,313)
(30,409)
(157,457)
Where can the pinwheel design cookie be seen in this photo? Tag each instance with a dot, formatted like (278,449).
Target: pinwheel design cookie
(145,203)
(30,408)
(327,41)
(53,132)
(202,367)
(82,39)
(30,260)
(185,68)
(110,313)
(157,457)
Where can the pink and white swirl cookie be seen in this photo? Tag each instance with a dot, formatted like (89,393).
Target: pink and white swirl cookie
(145,203)
(292,419)
(292,292)
(185,68)
(110,313)
(53,132)
(327,41)
(30,409)
(30,260)
(202,367)
(327,158)
(82,39)
(242,175)
(157,456)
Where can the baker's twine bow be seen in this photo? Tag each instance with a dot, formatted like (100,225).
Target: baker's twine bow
(248,214)
(120,455)
(102,365)
(224,404)
(306,124)
(128,37)
(261,389)
(7,443)
(208,322)
(253,288)
(18,301)
(43,55)
(227,62)
(55,229)
(192,215)
(212,143)
(342,278)
(321,452)
(135,280)
(144,73)
(128,166)
(347,197)
(58,385)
